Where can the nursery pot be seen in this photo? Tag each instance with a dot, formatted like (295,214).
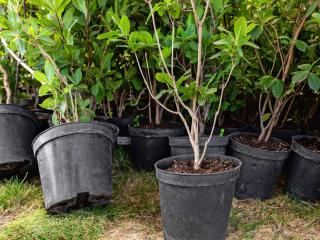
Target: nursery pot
(304,172)
(260,169)
(122,124)
(150,145)
(18,127)
(75,163)
(195,206)
(182,145)
(43,117)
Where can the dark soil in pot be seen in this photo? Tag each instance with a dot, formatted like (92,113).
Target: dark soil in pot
(262,164)
(182,146)
(196,205)
(18,127)
(75,164)
(148,144)
(304,172)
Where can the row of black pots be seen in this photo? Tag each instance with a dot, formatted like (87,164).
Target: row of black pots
(197,206)
(74,159)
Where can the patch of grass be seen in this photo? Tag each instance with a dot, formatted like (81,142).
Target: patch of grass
(16,193)
(135,195)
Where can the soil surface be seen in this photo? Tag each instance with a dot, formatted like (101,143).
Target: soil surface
(271,145)
(312,144)
(207,166)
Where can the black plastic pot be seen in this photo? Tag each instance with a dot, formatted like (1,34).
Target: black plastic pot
(75,163)
(18,127)
(195,206)
(304,172)
(182,146)
(122,124)
(43,117)
(150,145)
(260,169)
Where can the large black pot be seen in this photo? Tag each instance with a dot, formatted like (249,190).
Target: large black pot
(18,127)
(150,145)
(75,163)
(260,169)
(182,146)
(304,172)
(195,206)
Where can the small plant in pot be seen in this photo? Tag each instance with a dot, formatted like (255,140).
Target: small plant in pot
(196,190)
(149,139)
(75,156)
(263,157)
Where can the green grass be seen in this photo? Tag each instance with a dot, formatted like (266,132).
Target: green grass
(15,194)
(136,201)
(135,196)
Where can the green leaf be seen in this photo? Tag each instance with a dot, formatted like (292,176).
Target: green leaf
(125,25)
(49,70)
(77,76)
(44,90)
(301,45)
(164,78)
(277,88)
(299,76)
(48,103)
(266,116)
(41,77)
(81,6)
(314,82)
(305,67)
(240,28)
(311,8)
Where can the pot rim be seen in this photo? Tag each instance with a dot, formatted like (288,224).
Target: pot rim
(236,160)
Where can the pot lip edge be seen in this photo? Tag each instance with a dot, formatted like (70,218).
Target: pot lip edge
(199,174)
(63,124)
(294,138)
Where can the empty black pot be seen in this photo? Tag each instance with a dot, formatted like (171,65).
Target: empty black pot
(260,169)
(150,145)
(18,127)
(75,163)
(304,172)
(182,146)
(195,206)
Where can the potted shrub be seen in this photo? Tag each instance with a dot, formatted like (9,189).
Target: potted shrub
(263,156)
(75,156)
(149,139)
(303,178)
(196,190)
(18,126)
(119,83)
